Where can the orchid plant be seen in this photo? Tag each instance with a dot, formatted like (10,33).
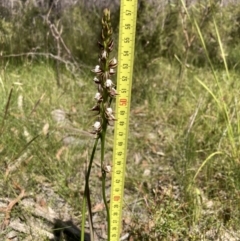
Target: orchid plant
(106,92)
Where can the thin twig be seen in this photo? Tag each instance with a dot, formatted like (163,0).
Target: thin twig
(36,104)
(39,54)
(24,148)
(10,206)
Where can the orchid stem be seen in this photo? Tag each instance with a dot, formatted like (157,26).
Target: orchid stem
(103,135)
(86,196)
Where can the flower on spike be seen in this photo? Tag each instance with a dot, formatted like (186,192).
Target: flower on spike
(110,46)
(100,88)
(111,71)
(98,97)
(103,73)
(96,108)
(97,127)
(97,70)
(96,80)
(107,168)
(108,83)
(103,55)
(113,63)
(113,92)
(100,45)
(109,114)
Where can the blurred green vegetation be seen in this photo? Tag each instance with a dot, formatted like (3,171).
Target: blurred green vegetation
(184,123)
(161,32)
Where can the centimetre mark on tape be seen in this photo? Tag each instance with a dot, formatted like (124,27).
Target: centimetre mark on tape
(127,28)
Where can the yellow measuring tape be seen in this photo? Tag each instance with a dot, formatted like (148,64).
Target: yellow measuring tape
(128,15)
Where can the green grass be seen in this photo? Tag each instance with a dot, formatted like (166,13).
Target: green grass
(36,87)
(175,129)
(183,165)
(182,173)
(174,132)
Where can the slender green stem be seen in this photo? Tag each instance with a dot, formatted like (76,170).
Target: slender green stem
(105,202)
(103,135)
(83,217)
(86,196)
